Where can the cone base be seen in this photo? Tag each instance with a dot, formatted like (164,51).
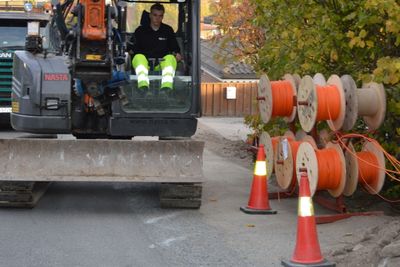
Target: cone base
(255,211)
(323,263)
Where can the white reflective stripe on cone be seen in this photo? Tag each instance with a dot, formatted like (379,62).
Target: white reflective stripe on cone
(260,168)
(306,208)
(141,69)
(167,78)
(143,77)
(168,70)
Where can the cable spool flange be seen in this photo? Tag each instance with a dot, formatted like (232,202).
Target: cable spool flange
(324,138)
(264,99)
(309,139)
(316,103)
(307,103)
(307,157)
(351,171)
(269,102)
(319,79)
(275,142)
(297,79)
(265,139)
(356,166)
(300,134)
(350,87)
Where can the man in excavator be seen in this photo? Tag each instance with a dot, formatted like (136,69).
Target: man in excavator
(155,41)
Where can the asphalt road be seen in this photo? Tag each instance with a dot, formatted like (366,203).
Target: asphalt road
(119,224)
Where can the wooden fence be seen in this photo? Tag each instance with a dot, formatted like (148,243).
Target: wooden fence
(215,103)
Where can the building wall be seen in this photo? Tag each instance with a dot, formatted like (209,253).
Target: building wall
(215,103)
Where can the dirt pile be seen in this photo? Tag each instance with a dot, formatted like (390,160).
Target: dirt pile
(235,150)
(377,246)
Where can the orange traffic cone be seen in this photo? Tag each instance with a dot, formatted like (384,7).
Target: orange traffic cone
(258,201)
(307,251)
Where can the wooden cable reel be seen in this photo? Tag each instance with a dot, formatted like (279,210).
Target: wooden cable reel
(366,168)
(285,160)
(277,98)
(319,79)
(265,139)
(326,168)
(368,102)
(272,144)
(317,103)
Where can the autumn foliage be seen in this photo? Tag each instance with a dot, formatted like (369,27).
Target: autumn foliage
(360,38)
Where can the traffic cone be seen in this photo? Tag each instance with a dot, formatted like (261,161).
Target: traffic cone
(258,201)
(307,251)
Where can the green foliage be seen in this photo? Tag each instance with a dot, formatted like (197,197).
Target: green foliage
(393,192)
(277,126)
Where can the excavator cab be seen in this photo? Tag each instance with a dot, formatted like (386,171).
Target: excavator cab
(91,91)
(177,106)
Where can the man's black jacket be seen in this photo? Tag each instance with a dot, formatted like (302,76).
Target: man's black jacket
(155,44)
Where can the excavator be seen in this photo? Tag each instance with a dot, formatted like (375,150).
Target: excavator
(86,88)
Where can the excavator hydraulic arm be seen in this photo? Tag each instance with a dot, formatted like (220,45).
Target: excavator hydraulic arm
(94,24)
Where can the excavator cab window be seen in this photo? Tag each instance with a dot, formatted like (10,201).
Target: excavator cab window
(177,99)
(13,32)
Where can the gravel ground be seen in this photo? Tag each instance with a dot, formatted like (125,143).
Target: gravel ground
(359,245)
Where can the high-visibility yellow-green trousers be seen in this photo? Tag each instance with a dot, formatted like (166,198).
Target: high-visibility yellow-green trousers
(168,67)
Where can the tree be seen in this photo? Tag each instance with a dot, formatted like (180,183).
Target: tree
(360,38)
(240,36)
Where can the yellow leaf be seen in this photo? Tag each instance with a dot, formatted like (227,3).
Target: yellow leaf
(370,44)
(352,43)
(334,55)
(363,33)
(350,34)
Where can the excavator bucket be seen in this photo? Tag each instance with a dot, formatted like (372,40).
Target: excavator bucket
(28,163)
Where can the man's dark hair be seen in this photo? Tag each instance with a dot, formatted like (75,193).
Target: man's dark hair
(157,6)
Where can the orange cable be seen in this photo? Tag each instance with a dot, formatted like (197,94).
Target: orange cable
(329,168)
(282,97)
(328,102)
(368,164)
(367,173)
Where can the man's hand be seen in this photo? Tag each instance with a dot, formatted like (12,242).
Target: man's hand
(178,57)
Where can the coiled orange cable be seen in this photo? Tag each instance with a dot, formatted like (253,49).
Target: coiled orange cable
(328,102)
(282,95)
(329,169)
(391,159)
(367,172)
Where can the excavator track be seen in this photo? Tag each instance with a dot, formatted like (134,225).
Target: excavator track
(181,195)
(21,194)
